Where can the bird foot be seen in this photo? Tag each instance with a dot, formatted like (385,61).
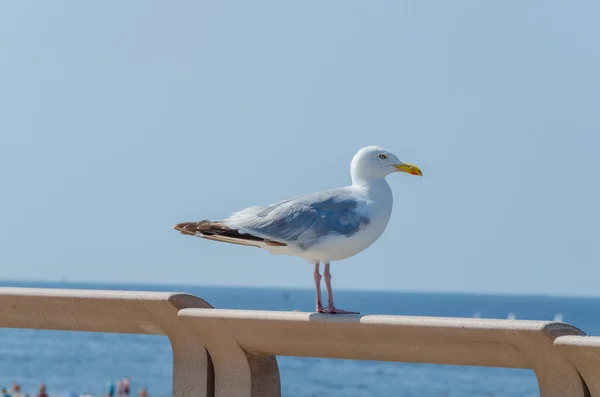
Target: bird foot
(333,310)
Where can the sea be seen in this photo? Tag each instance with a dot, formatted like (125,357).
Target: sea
(75,363)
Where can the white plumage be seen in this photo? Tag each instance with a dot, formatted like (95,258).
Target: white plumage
(321,227)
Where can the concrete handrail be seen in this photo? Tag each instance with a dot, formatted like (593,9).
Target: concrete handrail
(244,344)
(584,353)
(152,313)
(231,336)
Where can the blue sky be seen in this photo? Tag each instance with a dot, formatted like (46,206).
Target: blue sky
(120,119)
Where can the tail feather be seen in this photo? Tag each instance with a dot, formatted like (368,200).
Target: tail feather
(219,232)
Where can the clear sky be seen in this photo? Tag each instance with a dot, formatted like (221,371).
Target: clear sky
(120,119)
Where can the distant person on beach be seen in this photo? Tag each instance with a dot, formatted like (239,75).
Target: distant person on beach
(110,389)
(143,393)
(5,392)
(42,392)
(126,386)
(16,390)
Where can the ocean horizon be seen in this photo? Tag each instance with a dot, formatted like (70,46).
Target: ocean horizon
(183,287)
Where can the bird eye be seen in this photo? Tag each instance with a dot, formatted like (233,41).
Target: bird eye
(382,156)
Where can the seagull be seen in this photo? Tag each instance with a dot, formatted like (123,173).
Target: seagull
(321,227)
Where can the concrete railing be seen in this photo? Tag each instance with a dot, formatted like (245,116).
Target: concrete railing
(152,313)
(243,344)
(584,353)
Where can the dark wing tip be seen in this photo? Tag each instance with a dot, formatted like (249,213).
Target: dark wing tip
(186,228)
(275,243)
(218,229)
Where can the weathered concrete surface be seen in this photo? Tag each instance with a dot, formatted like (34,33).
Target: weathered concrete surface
(243,344)
(117,311)
(231,335)
(238,372)
(584,353)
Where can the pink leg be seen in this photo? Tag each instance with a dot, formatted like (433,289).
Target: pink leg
(317,276)
(330,306)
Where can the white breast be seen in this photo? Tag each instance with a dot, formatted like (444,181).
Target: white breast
(377,206)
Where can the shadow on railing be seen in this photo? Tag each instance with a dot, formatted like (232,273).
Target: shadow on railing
(243,345)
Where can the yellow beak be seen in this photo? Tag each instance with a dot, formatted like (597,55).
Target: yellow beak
(408,168)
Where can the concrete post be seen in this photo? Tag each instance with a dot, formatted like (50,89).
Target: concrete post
(584,353)
(457,341)
(131,312)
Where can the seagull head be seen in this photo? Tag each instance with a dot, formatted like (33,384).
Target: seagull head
(376,162)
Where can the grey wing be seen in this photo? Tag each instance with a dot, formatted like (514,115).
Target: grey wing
(302,220)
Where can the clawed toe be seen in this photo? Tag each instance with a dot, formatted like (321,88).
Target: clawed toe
(333,310)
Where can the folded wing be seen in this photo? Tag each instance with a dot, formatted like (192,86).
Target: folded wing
(302,221)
